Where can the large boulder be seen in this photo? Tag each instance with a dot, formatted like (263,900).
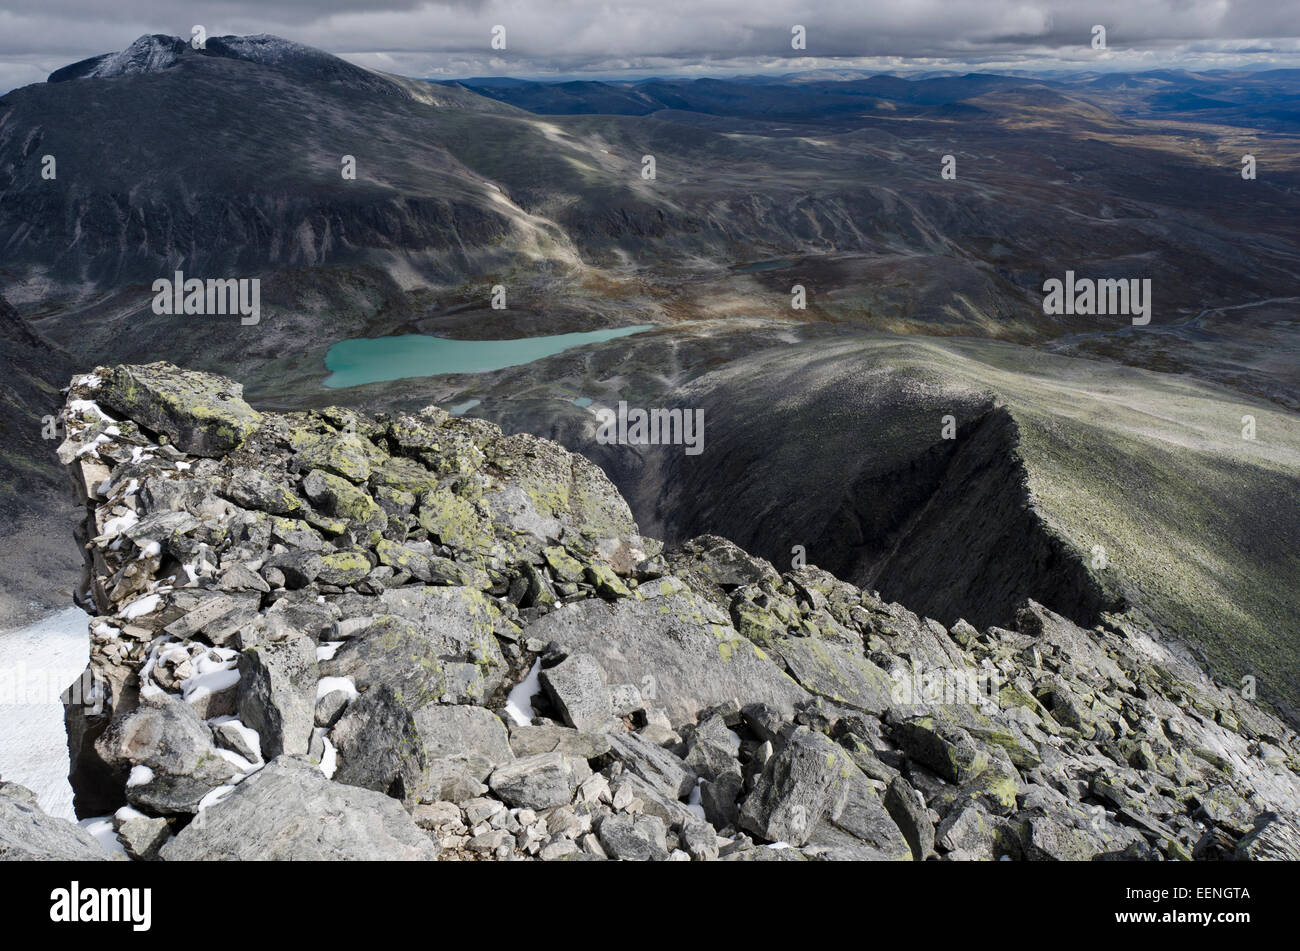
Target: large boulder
(462,745)
(169,753)
(1274,839)
(812,780)
(28,834)
(393,652)
(277,694)
(288,810)
(378,744)
(459,626)
(678,649)
(577,687)
(202,414)
(539,782)
(634,838)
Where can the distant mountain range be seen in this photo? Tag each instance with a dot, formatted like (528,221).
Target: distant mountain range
(1265,99)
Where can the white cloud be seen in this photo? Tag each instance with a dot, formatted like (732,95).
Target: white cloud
(608,36)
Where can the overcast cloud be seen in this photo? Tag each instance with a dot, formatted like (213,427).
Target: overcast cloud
(691,37)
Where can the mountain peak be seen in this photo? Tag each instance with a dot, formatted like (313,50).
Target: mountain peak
(149,54)
(158,52)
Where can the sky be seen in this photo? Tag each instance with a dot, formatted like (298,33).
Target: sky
(610,38)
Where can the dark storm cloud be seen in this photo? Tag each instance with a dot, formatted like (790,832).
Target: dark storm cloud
(610,36)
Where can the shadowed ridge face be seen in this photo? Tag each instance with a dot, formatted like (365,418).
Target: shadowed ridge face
(1095,487)
(29,478)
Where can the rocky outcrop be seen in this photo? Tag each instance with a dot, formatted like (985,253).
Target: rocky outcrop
(28,834)
(432,639)
(288,810)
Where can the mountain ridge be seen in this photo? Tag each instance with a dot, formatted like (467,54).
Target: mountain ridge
(255,671)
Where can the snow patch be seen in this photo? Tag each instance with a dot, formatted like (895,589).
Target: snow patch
(327,685)
(101,827)
(140,776)
(33,741)
(140,607)
(519,705)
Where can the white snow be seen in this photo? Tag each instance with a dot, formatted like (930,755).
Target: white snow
(251,736)
(327,650)
(327,685)
(116,526)
(92,446)
(40,661)
(214,797)
(147,687)
(329,761)
(101,827)
(88,406)
(519,705)
(140,776)
(695,803)
(235,760)
(140,607)
(214,671)
(128,812)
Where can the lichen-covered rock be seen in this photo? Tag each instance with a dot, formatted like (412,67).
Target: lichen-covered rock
(810,779)
(577,688)
(379,746)
(462,745)
(1273,839)
(392,651)
(634,838)
(201,414)
(905,808)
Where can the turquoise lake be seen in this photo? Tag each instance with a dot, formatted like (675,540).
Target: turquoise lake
(375,359)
